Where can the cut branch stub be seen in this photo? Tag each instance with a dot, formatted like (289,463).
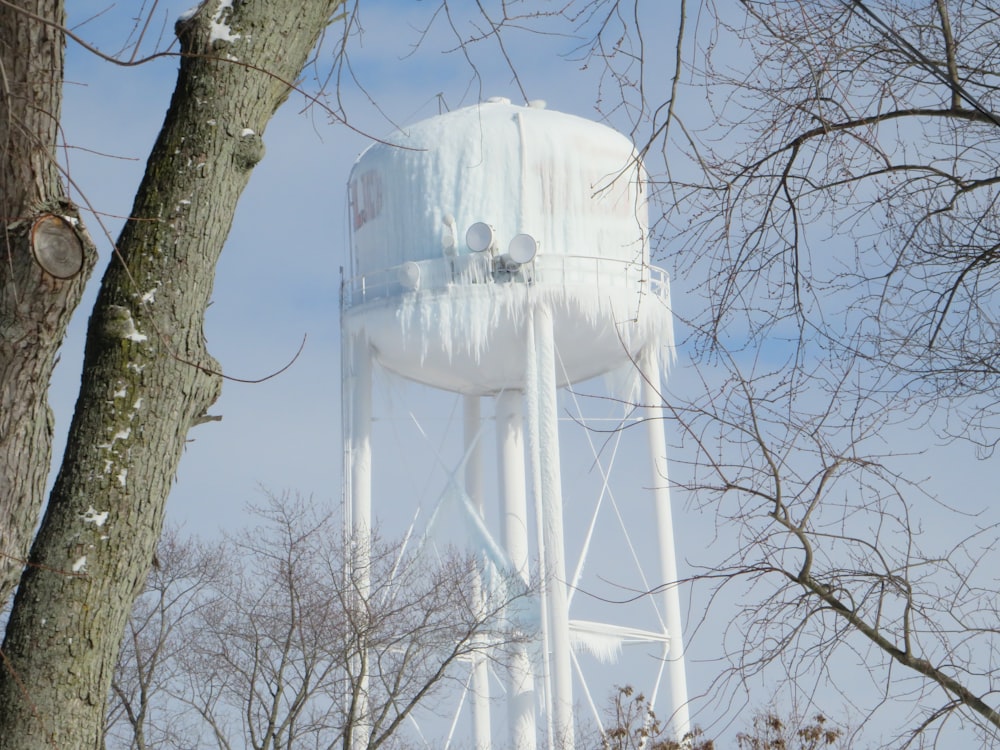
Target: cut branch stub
(56,246)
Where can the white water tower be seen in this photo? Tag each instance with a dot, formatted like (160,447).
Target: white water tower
(501,252)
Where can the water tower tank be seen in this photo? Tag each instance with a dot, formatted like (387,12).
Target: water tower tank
(461,222)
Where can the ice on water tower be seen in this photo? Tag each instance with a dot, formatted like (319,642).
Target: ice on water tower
(502,251)
(465,220)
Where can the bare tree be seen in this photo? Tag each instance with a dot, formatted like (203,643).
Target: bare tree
(869,128)
(771,732)
(281,647)
(632,725)
(844,249)
(186,578)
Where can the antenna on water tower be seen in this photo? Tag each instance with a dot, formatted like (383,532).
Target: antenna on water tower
(501,253)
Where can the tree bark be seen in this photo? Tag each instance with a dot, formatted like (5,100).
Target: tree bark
(148,377)
(35,305)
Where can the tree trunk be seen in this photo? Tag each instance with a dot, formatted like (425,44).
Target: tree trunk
(148,377)
(35,303)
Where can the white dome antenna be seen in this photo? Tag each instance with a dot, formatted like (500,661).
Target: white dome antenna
(522,249)
(480,237)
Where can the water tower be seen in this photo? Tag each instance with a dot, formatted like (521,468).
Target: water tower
(501,252)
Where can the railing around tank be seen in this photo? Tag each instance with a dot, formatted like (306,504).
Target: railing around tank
(569,271)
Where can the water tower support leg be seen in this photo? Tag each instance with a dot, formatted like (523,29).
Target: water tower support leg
(545,453)
(514,537)
(474,489)
(356,412)
(358,451)
(653,414)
